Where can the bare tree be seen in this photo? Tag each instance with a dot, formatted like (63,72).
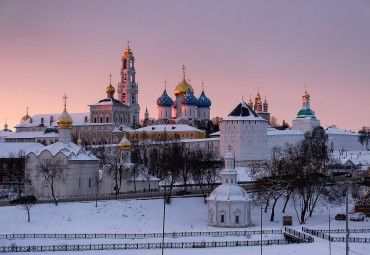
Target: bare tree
(18,174)
(26,204)
(52,171)
(364,136)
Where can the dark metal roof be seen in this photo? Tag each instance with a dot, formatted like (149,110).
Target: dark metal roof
(243,110)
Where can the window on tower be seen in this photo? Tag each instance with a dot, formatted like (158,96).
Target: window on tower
(125,64)
(133,98)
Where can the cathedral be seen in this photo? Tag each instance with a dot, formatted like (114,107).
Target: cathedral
(186,108)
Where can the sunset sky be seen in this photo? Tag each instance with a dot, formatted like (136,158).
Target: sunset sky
(48,48)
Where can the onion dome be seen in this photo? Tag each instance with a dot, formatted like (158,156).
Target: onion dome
(65,120)
(258,96)
(25,117)
(164,100)
(203,101)
(110,89)
(306,113)
(265,103)
(183,86)
(305,94)
(250,103)
(51,129)
(189,98)
(124,144)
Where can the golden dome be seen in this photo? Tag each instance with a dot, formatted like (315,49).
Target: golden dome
(305,95)
(65,120)
(124,144)
(265,103)
(183,86)
(110,89)
(25,117)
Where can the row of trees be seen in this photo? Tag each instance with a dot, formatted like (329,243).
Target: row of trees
(298,172)
(171,161)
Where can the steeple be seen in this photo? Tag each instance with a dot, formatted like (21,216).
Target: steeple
(146,113)
(265,105)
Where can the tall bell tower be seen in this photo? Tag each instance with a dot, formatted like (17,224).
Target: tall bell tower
(128,87)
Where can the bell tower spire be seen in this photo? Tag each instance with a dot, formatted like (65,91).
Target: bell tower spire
(128,88)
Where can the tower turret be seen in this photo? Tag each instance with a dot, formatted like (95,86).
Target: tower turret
(203,106)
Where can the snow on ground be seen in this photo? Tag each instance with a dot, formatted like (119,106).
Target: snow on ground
(145,216)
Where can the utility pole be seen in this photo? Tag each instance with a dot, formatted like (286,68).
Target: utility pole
(164,216)
(261,228)
(347,230)
(329,235)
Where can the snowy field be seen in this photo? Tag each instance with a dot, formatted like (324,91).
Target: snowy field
(145,216)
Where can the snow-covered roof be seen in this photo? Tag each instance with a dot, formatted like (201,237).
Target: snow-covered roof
(78,119)
(35,134)
(243,112)
(218,133)
(8,149)
(168,128)
(71,150)
(333,131)
(274,131)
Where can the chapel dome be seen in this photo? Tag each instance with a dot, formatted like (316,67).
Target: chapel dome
(229,193)
(189,98)
(124,144)
(203,101)
(164,100)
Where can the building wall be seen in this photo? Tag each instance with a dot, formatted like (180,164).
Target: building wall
(248,139)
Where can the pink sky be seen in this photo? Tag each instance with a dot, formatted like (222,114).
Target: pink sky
(48,48)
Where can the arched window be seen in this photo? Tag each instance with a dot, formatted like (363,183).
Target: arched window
(125,64)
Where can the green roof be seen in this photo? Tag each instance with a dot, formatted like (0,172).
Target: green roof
(305,112)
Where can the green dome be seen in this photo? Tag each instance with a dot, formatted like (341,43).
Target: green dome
(51,129)
(305,112)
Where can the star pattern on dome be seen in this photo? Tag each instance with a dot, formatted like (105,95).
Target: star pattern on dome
(203,101)
(165,100)
(189,98)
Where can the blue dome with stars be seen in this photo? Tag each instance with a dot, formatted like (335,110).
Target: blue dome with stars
(203,101)
(164,100)
(189,98)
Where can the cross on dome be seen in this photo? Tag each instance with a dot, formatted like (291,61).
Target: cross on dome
(128,44)
(230,147)
(65,100)
(183,70)
(110,77)
(165,84)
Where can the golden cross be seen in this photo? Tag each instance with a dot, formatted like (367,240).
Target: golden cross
(128,44)
(183,69)
(165,84)
(65,99)
(27,109)
(230,147)
(110,77)
(305,87)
